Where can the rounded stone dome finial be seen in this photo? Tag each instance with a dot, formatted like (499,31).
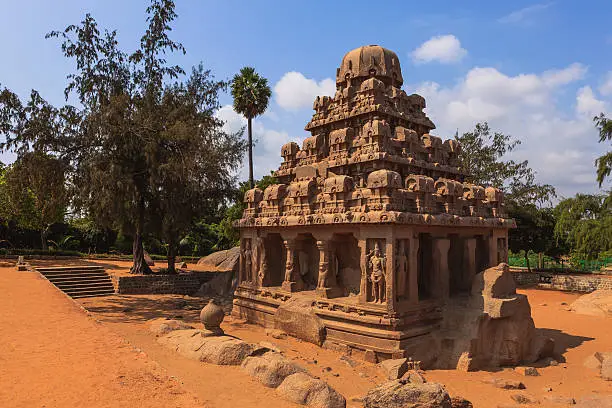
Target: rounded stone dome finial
(371,61)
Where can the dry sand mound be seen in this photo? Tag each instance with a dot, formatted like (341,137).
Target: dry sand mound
(597,303)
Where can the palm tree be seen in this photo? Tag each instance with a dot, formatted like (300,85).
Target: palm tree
(251,96)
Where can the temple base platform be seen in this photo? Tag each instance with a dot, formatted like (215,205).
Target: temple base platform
(365,331)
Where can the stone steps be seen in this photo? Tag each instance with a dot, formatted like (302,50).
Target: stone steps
(79,281)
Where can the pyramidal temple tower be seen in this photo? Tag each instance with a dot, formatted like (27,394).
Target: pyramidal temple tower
(371,224)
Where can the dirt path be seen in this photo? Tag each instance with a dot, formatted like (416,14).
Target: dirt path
(576,338)
(53,355)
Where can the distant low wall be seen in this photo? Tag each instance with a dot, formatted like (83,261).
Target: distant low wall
(179,284)
(570,283)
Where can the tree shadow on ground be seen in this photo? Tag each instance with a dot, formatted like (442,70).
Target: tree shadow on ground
(139,308)
(563,342)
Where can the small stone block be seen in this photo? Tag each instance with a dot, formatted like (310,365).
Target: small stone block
(370,356)
(527,371)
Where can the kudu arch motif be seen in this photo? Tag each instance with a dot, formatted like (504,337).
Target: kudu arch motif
(371,216)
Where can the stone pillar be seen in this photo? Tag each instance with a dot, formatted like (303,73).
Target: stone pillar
(469,260)
(363,264)
(293,281)
(441,247)
(492,250)
(401,269)
(390,289)
(326,285)
(413,269)
(241,261)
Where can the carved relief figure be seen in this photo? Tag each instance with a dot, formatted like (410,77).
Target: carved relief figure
(376,262)
(260,262)
(323,271)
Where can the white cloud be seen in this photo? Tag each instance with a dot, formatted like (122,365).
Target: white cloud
(444,48)
(557,77)
(587,104)
(294,91)
(524,14)
(560,145)
(606,87)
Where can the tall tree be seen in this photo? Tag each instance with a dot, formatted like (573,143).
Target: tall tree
(251,97)
(584,224)
(483,157)
(134,142)
(534,231)
(604,162)
(36,187)
(120,95)
(195,176)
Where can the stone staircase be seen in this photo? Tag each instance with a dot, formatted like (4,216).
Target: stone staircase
(79,281)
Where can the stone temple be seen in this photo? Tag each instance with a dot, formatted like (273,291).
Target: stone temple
(371,226)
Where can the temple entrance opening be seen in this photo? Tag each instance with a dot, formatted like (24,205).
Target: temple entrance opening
(308,260)
(460,281)
(347,267)
(273,269)
(482,252)
(424,262)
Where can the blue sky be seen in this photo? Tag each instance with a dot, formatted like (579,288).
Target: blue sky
(538,71)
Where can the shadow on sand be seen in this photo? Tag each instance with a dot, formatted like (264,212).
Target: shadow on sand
(134,308)
(563,342)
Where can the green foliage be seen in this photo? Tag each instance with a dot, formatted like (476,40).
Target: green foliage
(251,93)
(195,157)
(36,191)
(144,151)
(229,236)
(534,231)
(482,156)
(604,162)
(584,224)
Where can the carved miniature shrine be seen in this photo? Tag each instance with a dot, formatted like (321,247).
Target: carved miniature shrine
(371,220)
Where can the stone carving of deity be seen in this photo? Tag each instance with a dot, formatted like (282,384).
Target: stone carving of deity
(261,264)
(376,263)
(323,271)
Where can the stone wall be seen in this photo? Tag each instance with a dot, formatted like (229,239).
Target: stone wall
(179,284)
(571,283)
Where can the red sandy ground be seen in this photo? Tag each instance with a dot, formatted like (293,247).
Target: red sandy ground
(64,358)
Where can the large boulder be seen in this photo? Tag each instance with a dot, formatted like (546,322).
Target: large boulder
(306,390)
(225,350)
(220,350)
(270,368)
(228,258)
(225,264)
(596,303)
(163,326)
(297,318)
(395,368)
(493,328)
(403,394)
